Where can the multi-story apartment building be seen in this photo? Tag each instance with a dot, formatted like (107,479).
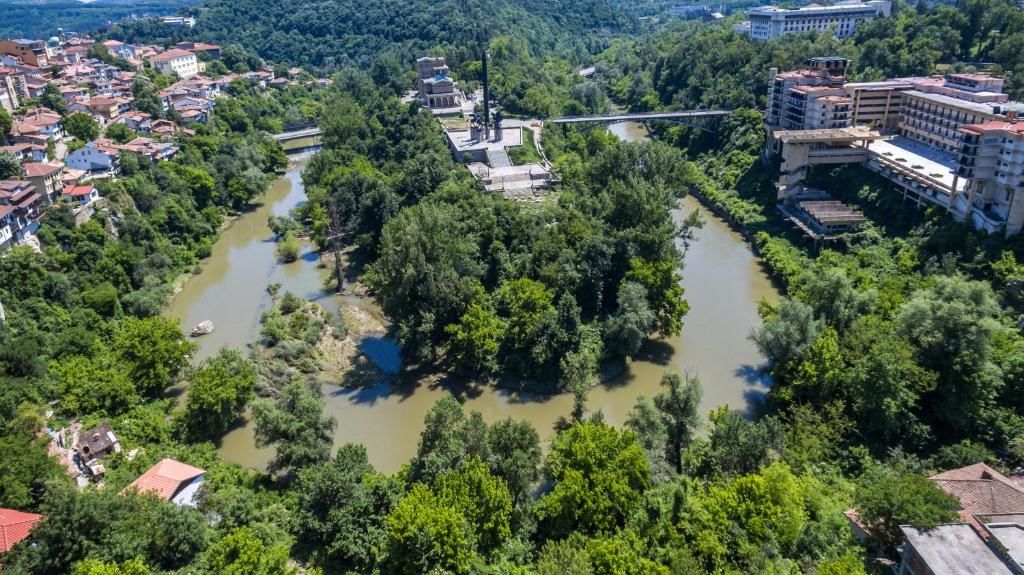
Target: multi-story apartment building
(769,22)
(793,96)
(935,109)
(176,61)
(877,104)
(948,140)
(20,209)
(32,52)
(991,160)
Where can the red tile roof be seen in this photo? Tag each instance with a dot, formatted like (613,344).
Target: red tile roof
(15,526)
(995,126)
(166,478)
(36,169)
(78,190)
(981,490)
(171,54)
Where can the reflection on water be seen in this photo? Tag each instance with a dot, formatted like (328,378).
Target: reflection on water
(383,352)
(723,282)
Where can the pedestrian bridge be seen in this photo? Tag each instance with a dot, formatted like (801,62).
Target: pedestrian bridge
(297,134)
(642,116)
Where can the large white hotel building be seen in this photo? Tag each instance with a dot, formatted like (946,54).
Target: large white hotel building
(769,22)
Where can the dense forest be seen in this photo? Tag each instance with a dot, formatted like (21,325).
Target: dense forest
(42,19)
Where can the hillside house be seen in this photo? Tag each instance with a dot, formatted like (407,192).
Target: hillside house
(172,481)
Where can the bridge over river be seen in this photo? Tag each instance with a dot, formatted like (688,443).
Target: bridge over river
(299,134)
(678,116)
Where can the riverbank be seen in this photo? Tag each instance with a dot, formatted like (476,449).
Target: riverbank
(723,281)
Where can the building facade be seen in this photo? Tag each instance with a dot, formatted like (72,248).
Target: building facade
(176,61)
(436,88)
(769,22)
(991,160)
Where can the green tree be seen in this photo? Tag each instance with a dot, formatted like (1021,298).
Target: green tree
(82,126)
(665,426)
(6,123)
(288,248)
(664,294)
(952,325)
(515,456)
(120,133)
(342,509)
(788,333)
(426,272)
(95,383)
(563,558)
(218,391)
(155,350)
(448,439)
(25,469)
(97,567)
(632,322)
(736,445)
(51,98)
(10,167)
(528,306)
(599,474)
(294,423)
(886,499)
(117,527)
(474,342)
(242,552)
(483,499)
(426,535)
(622,554)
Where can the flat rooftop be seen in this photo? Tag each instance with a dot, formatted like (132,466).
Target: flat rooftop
(954,102)
(827,135)
(926,161)
(955,549)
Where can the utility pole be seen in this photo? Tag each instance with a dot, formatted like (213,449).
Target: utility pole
(334,235)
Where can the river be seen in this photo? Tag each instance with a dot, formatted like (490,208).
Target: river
(723,281)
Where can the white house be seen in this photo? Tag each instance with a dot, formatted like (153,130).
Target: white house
(176,61)
(98,158)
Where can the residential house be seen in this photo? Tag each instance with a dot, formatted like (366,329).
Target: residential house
(98,158)
(176,62)
(989,539)
(138,121)
(26,152)
(172,481)
(211,50)
(39,124)
(106,108)
(121,50)
(32,52)
(951,549)
(20,209)
(46,179)
(149,149)
(81,194)
(99,441)
(15,526)
(197,115)
(164,128)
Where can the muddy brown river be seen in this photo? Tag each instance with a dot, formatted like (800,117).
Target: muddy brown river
(723,280)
